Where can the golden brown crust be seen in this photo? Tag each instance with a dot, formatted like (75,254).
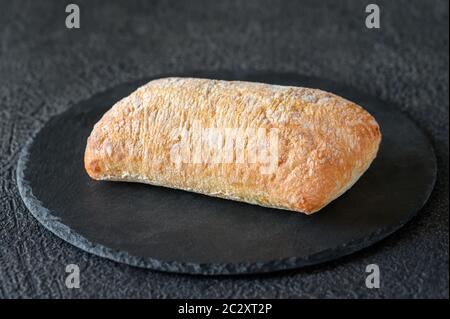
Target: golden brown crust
(325,143)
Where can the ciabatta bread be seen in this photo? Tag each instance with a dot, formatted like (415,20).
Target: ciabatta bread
(284,147)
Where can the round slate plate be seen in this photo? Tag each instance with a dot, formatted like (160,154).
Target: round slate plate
(177,231)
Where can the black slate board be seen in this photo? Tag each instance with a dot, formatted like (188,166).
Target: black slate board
(177,231)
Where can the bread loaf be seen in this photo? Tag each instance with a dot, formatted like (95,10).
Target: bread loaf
(284,147)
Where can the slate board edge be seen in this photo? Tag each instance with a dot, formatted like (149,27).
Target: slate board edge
(53,224)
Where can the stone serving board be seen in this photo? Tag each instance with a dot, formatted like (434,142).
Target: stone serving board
(177,231)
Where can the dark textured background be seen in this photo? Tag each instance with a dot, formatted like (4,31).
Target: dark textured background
(45,68)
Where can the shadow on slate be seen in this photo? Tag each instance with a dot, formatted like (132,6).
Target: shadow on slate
(178,231)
